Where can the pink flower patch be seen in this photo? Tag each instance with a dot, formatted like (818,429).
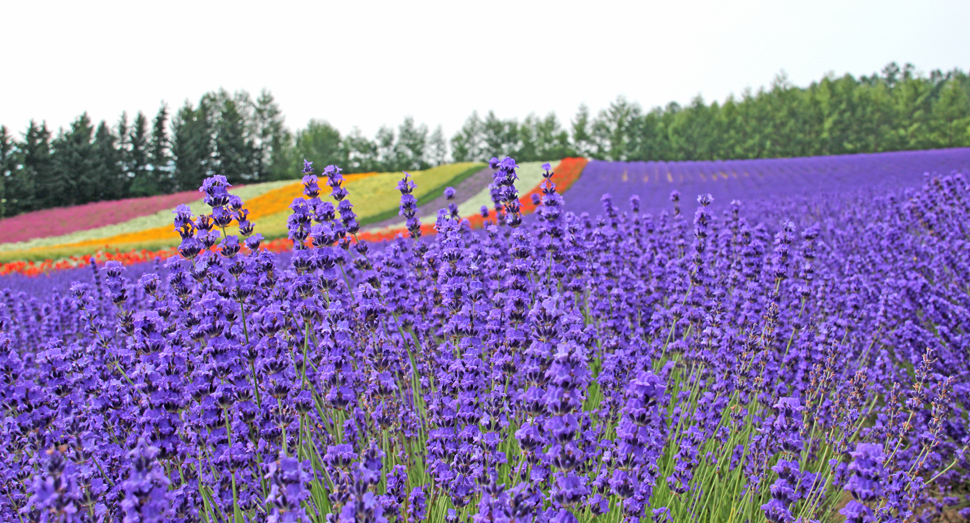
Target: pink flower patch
(65,220)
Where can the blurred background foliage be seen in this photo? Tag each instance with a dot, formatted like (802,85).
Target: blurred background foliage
(245,138)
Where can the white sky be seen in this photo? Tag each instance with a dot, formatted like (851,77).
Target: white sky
(364,64)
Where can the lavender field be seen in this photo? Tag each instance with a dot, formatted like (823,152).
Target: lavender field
(756,180)
(784,348)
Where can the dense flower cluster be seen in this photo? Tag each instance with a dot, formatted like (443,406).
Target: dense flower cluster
(749,365)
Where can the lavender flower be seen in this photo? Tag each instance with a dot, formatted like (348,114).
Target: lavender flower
(755,363)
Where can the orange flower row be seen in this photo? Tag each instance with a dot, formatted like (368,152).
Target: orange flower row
(32,268)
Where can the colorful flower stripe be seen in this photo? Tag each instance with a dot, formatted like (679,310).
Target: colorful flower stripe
(268,203)
(273,208)
(36,268)
(66,257)
(565,175)
(58,252)
(530,175)
(127,256)
(276,196)
(65,220)
(279,200)
(161,219)
(377,199)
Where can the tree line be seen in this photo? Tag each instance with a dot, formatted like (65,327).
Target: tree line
(892,111)
(234,135)
(245,138)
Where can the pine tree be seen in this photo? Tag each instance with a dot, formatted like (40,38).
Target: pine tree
(466,144)
(437,147)
(950,124)
(122,132)
(142,182)
(409,150)
(551,139)
(528,140)
(108,170)
(361,153)
(32,160)
(320,143)
(6,166)
(582,134)
(610,129)
(384,144)
(691,131)
(500,137)
(274,143)
(234,152)
(53,186)
(648,137)
(158,152)
(72,157)
(192,145)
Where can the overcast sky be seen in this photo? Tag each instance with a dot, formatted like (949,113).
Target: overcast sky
(365,64)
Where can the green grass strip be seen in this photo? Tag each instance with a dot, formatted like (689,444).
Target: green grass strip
(376,198)
(431,195)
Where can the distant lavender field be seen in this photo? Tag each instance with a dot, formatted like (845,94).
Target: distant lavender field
(752,180)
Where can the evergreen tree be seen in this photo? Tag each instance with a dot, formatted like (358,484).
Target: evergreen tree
(500,137)
(648,137)
(191,145)
(136,163)
(72,159)
(690,132)
(361,153)
(750,127)
(124,146)
(543,139)
(7,164)
(582,133)
(158,152)
(552,140)
(32,160)
(320,143)
(384,147)
(611,129)
(437,147)
(234,152)
(274,143)
(528,139)
(412,142)
(108,169)
(123,132)
(950,124)
(466,145)
(896,109)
